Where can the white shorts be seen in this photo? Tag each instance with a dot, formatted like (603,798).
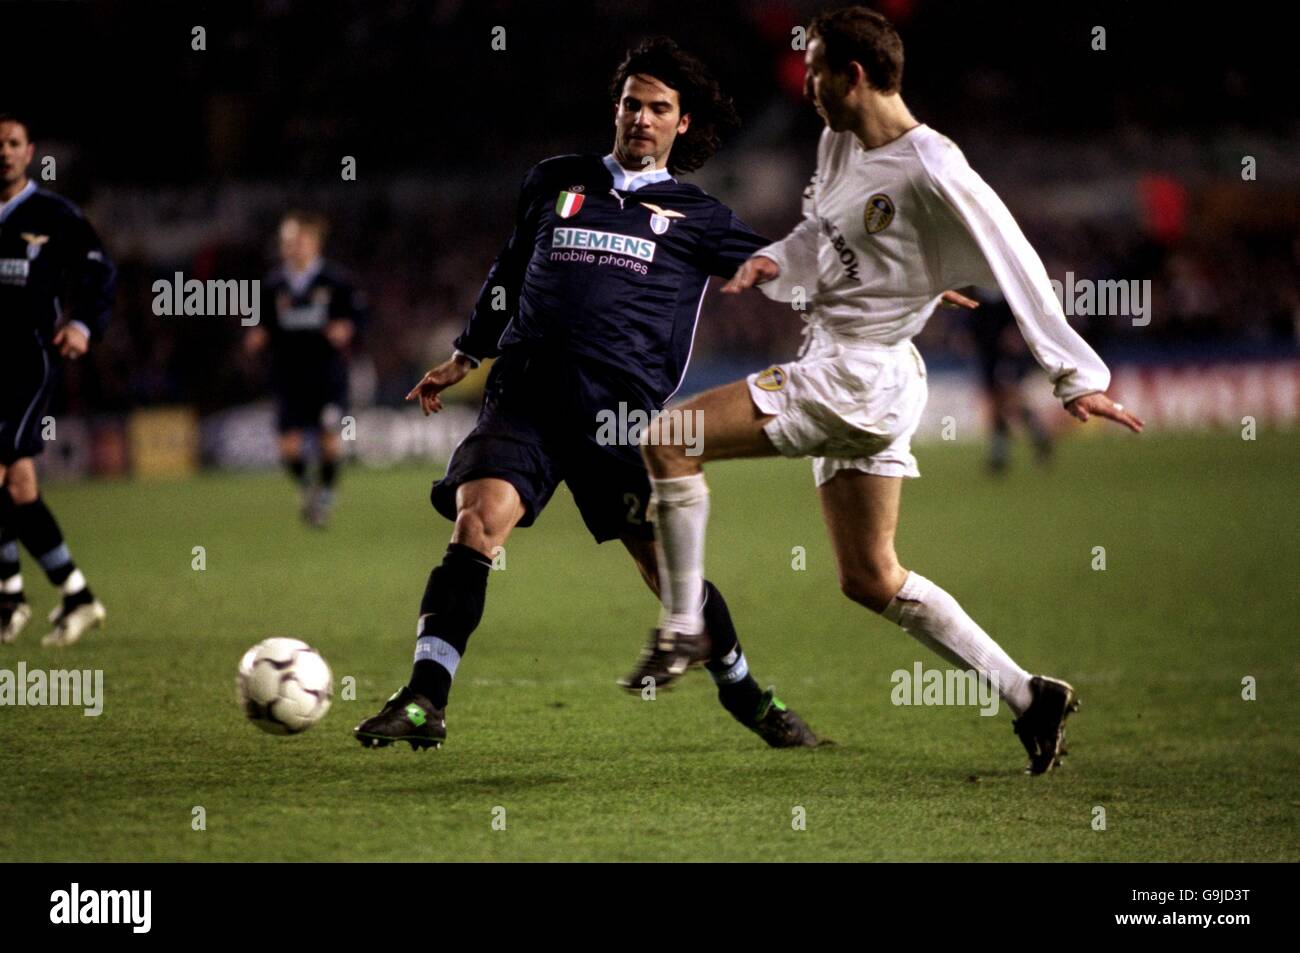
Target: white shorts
(849,405)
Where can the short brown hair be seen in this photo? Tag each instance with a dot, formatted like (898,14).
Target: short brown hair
(865,36)
(317,222)
(19,120)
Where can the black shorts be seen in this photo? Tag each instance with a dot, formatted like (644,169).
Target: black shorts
(27,380)
(536,429)
(310,405)
(999,369)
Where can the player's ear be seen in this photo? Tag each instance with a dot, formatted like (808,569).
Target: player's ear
(857,75)
(684,123)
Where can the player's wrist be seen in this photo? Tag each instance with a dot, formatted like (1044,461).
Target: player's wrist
(766,268)
(1067,401)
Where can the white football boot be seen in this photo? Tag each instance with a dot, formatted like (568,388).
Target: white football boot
(69,627)
(14,625)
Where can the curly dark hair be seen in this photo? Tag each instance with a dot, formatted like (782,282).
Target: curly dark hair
(712,112)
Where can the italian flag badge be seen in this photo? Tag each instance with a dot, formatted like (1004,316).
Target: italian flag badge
(567,205)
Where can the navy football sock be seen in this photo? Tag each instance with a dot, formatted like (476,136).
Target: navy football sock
(449,612)
(10,580)
(297,468)
(737,690)
(8,544)
(328,475)
(40,533)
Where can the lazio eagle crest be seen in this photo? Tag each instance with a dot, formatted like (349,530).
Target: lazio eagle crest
(661,218)
(34,243)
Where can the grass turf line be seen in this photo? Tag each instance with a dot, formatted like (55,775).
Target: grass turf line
(1199,591)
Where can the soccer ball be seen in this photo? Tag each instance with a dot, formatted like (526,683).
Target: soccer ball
(284,686)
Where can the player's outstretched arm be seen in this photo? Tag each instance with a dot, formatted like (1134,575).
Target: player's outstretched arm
(490,316)
(955,299)
(1100,405)
(760,269)
(755,271)
(449,372)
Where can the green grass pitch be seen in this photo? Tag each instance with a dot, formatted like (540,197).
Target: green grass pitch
(1199,591)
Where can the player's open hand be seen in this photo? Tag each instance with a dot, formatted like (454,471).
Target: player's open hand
(1102,406)
(71,342)
(432,384)
(255,340)
(339,332)
(953,299)
(757,270)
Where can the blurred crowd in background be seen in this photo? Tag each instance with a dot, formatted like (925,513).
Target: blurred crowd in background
(1125,162)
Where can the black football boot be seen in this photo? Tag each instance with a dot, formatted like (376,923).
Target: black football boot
(406,717)
(1041,728)
(666,658)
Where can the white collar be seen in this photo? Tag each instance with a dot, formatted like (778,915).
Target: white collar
(17,200)
(625,181)
(299,280)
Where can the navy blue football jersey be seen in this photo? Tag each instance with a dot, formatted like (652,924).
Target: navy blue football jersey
(52,268)
(295,319)
(611,277)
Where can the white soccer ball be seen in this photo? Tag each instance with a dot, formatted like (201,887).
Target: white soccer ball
(284,686)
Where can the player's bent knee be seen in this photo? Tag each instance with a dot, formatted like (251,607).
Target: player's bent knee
(484,525)
(665,458)
(864,593)
(22,485)
(873,585)
(23,493)
(475,530)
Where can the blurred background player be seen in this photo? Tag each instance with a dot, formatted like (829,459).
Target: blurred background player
(56,293)
(1004,360)
(604,325)
(311,312)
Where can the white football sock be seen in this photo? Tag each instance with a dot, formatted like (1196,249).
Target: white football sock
(934,618)
(74,583)
(679,507)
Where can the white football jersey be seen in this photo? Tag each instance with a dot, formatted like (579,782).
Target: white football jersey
(887,231)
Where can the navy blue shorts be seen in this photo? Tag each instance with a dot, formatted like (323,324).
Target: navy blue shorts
(307,404)
(1004,370)
(26,383)
(536,429)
